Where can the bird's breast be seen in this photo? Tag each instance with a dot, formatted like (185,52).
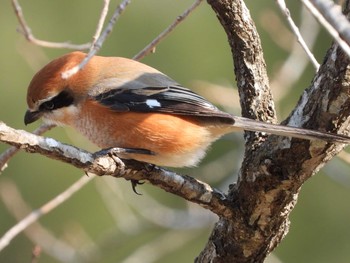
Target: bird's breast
(175,140)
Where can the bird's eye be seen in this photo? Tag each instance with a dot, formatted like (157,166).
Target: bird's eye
(63,99)
(48,105)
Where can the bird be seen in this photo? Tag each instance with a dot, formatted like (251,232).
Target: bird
(121,103)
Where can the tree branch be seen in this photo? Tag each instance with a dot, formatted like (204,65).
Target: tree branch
(184,186)
(282,5)
(98,43)
(151,46)
(9,153)
(249,64)
(38,234)
(27,32)
(332,19)
(100,23)
(274,170)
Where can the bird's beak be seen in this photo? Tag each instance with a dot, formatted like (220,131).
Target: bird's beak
(31,116)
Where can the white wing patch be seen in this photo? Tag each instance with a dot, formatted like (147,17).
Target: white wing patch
(153,103)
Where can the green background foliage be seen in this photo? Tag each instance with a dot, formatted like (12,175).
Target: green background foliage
(106,221)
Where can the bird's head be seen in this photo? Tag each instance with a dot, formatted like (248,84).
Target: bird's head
(56,98)
(50,94)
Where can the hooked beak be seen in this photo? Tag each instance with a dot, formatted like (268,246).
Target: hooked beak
(31,116)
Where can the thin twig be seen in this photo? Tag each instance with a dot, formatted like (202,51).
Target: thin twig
(98,44)
(100,22)
(333,20)
(30,37)
(10,152)
(46,208)
(151,46)
(295,29)
(294,66)
(333,13)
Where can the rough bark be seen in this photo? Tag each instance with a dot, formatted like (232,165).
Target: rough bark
(275,168)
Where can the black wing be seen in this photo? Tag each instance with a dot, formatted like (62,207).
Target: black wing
(175,99)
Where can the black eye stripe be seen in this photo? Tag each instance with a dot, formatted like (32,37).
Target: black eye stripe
(63,99)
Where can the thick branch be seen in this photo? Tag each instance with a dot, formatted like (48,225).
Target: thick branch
(250,68)
(181,185)
(274,171)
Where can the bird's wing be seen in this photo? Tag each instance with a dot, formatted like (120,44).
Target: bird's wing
(173,99)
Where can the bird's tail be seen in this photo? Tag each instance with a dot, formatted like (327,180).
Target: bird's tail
(288,131)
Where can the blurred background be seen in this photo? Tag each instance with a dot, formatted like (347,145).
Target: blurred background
(105,221)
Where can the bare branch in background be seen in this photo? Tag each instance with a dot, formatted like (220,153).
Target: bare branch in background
(27,32)
(295,29)
(294,66)
(101,21)
(99,42)
(333,20)
(151,46)
(38,235)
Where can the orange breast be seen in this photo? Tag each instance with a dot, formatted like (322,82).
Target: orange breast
(175,140)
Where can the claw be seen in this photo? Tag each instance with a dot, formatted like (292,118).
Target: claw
(115,151)
(134,184)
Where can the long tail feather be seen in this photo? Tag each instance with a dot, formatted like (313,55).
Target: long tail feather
(252,125)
